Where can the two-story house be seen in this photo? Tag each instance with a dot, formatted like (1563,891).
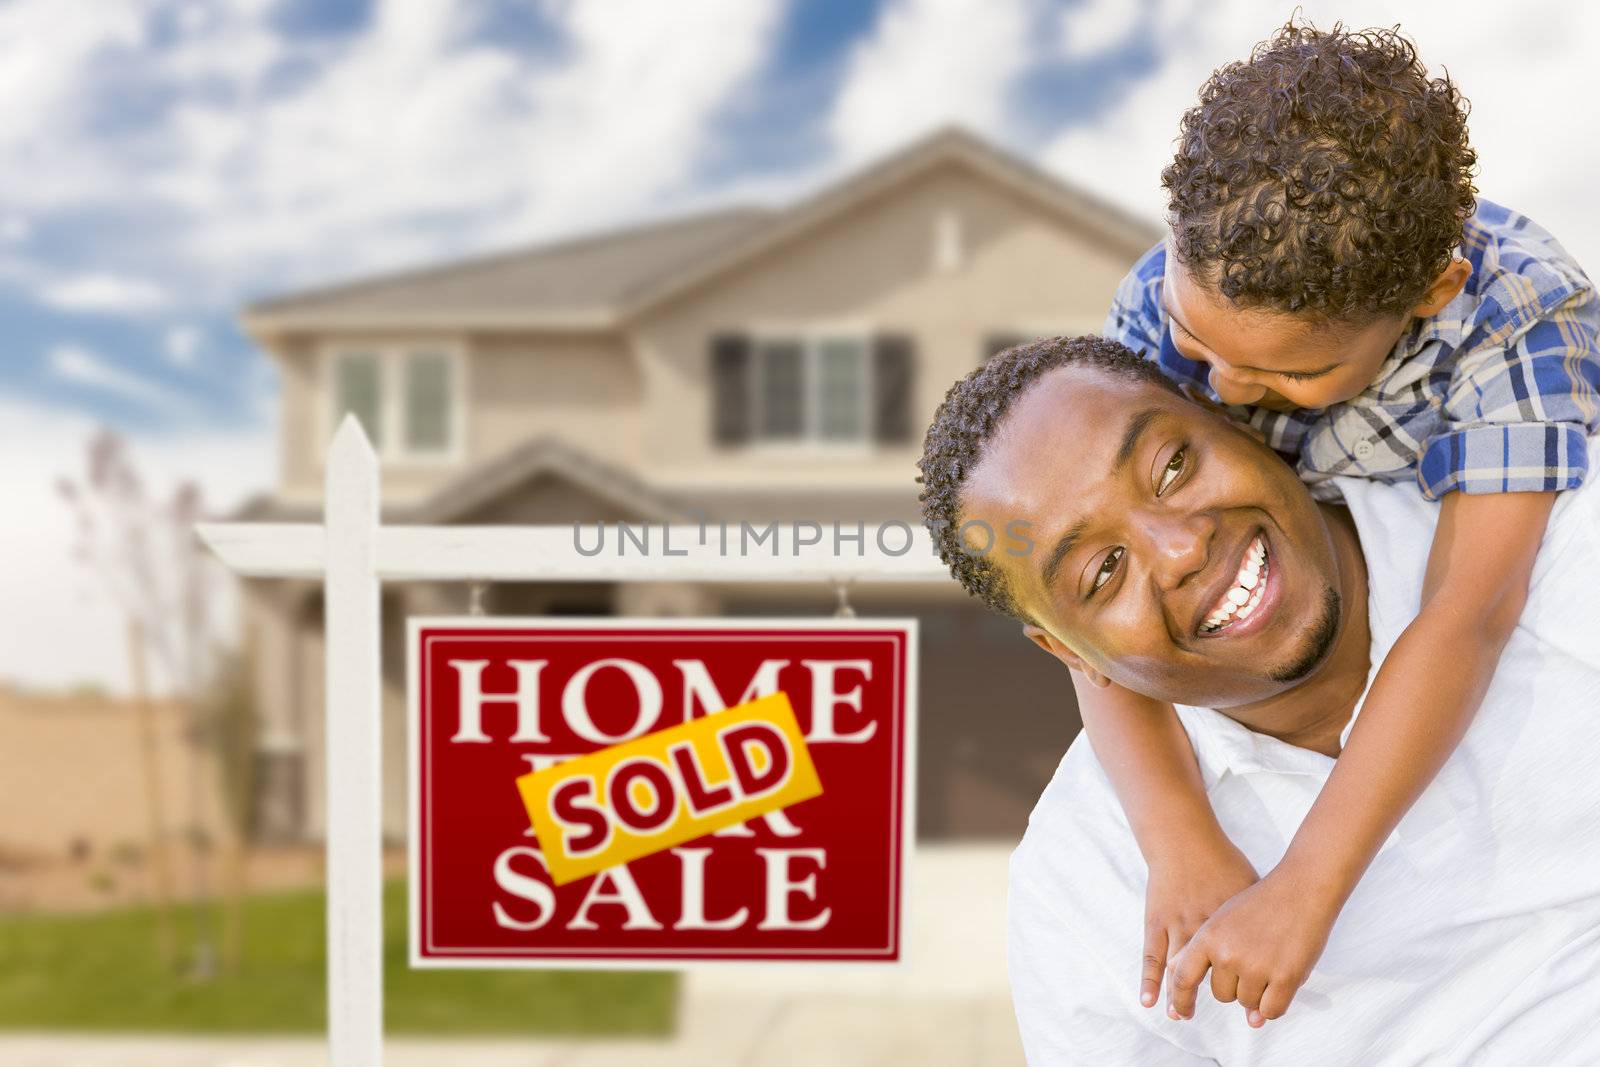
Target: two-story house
(748,364)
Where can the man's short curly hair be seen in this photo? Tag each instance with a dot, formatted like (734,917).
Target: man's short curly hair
(1327,175)
(970,414)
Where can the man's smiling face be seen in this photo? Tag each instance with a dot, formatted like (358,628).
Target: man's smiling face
(1172,553)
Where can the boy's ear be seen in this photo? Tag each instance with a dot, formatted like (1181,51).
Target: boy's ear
(1444,288)
(1048,642)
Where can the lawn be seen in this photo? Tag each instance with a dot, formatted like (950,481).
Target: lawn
(98,972)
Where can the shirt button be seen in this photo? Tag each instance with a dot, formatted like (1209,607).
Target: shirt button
(1364,450)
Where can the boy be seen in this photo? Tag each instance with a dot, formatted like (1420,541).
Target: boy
(1331,278)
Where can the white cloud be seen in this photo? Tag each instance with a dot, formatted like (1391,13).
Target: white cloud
(102,292)
(928,63)
(1511,63)
(80,366)
(182,345)
(407,140)
(1095,26)
(14,229)
(59,626)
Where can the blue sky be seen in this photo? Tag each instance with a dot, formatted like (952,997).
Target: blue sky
(119,291)
(162,162)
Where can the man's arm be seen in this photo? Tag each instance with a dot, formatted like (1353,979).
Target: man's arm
(1262,944)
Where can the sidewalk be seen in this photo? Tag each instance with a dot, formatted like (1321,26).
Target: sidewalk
(947,1005)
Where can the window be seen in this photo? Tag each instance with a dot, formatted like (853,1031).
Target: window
(780,395)
(841,389)
(358,389)
(406,399)
(947,244)
(427,402)
(810,389)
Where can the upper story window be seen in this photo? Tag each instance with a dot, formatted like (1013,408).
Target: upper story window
(407,398)
(948,248)
(811,388)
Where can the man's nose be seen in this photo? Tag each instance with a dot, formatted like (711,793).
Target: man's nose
(1176,545)
(1231,389)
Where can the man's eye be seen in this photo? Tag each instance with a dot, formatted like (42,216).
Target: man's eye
(1170,472)
(1107,569)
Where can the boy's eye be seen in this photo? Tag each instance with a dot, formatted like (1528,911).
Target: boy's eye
(1170,472)
(1107,569)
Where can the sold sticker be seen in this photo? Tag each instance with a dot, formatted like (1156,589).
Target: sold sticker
(660,790)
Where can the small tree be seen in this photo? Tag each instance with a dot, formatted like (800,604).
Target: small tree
(145,555)
(232,713)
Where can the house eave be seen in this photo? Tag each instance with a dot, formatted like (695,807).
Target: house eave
(264,327)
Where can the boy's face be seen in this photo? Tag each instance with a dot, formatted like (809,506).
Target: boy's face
(1271,359)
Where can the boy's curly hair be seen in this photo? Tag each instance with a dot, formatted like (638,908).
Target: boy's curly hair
(968,417)
(1326,176)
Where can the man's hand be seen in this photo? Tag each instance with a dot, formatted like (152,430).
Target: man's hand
(1181,895)
(1259,947)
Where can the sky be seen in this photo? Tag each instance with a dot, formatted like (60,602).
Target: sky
(163,162)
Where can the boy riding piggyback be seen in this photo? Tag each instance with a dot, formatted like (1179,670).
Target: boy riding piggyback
(1331,277)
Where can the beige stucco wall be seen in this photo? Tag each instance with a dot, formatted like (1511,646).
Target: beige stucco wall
(582,389)
(72,769)
(1023,270)
(299,404)
(585,390)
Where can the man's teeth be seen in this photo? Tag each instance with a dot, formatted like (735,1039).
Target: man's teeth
(1245,592)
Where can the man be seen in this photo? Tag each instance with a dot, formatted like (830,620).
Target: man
(1132,513)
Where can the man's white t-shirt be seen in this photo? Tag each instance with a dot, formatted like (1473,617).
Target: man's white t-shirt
(1475,935)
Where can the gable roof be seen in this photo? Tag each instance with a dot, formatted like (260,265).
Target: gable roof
(1097,218)
(482,484)
(596,282)
(495,478)
(577,283)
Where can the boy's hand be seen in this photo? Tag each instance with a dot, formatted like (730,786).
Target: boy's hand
(1259,947)
(1181,895)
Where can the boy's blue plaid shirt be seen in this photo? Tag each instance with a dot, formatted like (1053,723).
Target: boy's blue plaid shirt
(1495,394)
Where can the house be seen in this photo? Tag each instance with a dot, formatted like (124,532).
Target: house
(747,364)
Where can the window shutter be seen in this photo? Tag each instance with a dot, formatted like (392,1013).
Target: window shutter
(893,372)
(730,389)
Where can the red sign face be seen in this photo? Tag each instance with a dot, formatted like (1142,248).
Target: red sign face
(493,700)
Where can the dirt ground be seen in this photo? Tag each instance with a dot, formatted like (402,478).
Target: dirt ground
(55,884)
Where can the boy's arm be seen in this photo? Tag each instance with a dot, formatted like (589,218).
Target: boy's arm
(1193,866)
(1266,940)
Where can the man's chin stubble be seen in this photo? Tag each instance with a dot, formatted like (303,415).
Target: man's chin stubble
(1318,642)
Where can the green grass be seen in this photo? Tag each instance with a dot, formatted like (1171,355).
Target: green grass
(99,972)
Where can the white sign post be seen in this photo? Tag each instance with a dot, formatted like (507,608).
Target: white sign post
(353,554)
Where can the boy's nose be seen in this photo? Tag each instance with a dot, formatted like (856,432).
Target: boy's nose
(1232,390)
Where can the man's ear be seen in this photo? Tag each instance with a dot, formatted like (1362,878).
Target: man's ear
(1049,643)
(1444,288)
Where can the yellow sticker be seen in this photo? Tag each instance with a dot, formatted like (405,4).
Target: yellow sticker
(668,787)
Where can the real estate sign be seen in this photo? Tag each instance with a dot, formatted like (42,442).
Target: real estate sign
(659,792)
